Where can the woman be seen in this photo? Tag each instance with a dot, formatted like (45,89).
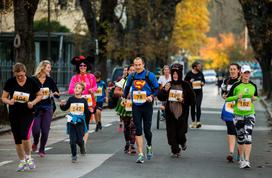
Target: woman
(124,110)
(21,94)
(179,96)
(244,93)
(227,114)
(44,109)
(82,68)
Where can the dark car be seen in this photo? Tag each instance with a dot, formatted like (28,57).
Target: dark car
(116,74)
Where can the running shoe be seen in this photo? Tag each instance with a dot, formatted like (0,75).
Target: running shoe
(149,153)
(30,163)
(42,154)
(193,126)
(74,159)
(140,158)
(184,146)
(132,150)
(21,166)
(126,149)
(230,158)
(34,147)
(247,163)
(96,128)
(198,125)
(175,155)
(99,125)
(242,164)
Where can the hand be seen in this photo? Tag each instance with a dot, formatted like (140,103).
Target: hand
(30,105)
(192,80)
(62,102)
(107,99)
(123,102)
(11,102)
(240,96)
(224,96)
(180,99)
(56,94)
(253,98)
(202,83)
(149,99)
(167,86)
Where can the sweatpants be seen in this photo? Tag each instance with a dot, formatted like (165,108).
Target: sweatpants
(76,133)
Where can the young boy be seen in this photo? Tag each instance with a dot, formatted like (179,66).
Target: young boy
(76,125)
(101,96)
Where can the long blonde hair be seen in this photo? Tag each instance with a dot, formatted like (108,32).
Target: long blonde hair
(41,67)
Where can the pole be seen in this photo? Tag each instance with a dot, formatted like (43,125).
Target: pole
(246,38)
(48,31)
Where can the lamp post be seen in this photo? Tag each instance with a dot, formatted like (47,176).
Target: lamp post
(48,31)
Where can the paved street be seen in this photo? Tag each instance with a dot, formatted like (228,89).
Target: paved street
(205,156)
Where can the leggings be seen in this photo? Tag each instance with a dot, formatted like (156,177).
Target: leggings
(129,130)
(196,109)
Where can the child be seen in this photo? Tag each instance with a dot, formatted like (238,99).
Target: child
(101,96)
(76,125)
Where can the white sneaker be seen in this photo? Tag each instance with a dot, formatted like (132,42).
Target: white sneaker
(247,164)
(243,164)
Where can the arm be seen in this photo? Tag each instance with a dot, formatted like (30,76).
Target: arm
(154,83)
(106,92)
(65,106)
(93,83)
(230,96)
(127,87)
(87,112)
(72,85)
(5,98)
(55,89)
(36,100)
(163,94)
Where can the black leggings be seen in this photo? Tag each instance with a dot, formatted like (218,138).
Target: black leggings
(129,130)
(196,109)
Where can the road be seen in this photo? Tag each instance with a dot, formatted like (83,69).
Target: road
(205,156)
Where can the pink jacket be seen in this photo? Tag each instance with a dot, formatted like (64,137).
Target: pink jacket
(88,79)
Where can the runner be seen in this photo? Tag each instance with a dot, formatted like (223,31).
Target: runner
(144,89)
(76,125)
(165,78)
(82,66)
(102,96)
(244,93)
(44,109)
(227,112)
(21,94)
(124,110)
(197,81)
(178,96)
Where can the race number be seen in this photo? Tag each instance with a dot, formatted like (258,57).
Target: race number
(45,92)
(229,106)
(77,108)
(128,105)
(139,96)
(21,97)
(89,99)
(196,84)
(244,104)
(98,92)
(174,95)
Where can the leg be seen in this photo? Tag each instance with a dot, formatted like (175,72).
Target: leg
(249,124)
(199,97)
(86,135)
(46,118)
(36,130)
(73,139)
(171,134)
(147,122)
(20,151)
(137,118)
(126,121)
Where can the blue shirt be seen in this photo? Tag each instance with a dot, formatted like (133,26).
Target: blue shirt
(101,85)
(140,78)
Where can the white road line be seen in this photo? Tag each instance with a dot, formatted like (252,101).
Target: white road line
(211,112)
(222,127)
(107,125)
(7,149)
(91,131)
(5,162)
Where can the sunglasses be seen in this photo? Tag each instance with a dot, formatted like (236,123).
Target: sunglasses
(82,65)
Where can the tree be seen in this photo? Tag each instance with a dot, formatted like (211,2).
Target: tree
(258,17)
(24,11)
(55,26)
(191,25)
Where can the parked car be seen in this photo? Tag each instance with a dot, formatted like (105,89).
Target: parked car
(257,74)
(116,74)
(210,76)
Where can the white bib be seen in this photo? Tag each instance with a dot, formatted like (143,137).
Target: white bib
(128,105)
(89,99)
(229,106)
(244,104)
(21,97)
(45,92)
(77,108)
(139,97)
(174,95)
(196,84)
(98,92)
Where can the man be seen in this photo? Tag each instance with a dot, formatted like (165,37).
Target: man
(144,88)
(197,81)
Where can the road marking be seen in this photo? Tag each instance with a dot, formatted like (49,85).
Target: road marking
(5,162)
(223,127)
(91,131)
(107,125)
(211,112)
(7,149)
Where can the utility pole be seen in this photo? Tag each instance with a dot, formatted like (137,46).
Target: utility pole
(95,40)
(48,31)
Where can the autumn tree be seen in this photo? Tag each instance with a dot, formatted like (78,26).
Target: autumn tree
(191,25)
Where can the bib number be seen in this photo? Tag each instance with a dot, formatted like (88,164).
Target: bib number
(244,104)
(77,108)
(229,106)
(89,99)
(196,84)
(98,92)
(21,97)
(174,95)
(128,105)
(139,97)
(45,92)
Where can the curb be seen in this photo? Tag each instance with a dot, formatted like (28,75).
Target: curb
(268,109)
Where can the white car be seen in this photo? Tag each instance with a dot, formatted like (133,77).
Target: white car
(210,76)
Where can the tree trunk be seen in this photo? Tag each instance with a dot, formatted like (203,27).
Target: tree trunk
(24,11)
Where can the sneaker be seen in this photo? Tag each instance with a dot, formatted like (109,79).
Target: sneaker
(126,149)
(184,146)
(74,159)
(242,164)
(198,125)
(21,166)
(175,155)
(230,158)
(30,163)
(99,126)
(193,126)
(96,128)
(42,154)
(34,147)
(140,158)
(149,153)
(132,150)
(82,149)
(247,163)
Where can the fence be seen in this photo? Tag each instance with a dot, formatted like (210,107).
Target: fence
(61,72)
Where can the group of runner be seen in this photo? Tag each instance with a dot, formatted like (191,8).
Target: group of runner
(137,91)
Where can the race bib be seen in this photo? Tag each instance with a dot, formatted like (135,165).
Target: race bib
(139,96)
(98,92)
(128,105)
(196,84)
(244,104)
(45,92)
(174,95)
(229,106)
(21,97)
(89,99)
(77,108)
